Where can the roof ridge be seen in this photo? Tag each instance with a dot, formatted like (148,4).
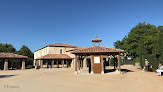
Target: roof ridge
(56,45)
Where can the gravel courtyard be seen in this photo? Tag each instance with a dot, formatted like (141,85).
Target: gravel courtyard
(64,80)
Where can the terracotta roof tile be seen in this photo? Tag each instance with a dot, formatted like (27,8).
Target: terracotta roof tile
(96,49)
(78,48)
(55,56)
(11,55)
(62,44)
(59,45)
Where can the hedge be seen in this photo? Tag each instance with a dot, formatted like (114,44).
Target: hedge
(151,59)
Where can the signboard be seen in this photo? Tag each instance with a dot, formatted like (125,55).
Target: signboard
(96,59)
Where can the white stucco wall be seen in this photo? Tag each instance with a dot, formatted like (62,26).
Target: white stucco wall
(41,52)
(54,50)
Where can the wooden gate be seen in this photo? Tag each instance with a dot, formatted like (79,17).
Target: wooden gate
(97,64)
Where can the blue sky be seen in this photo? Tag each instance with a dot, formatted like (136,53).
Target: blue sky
(37,23)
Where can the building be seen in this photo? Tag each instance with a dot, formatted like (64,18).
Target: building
(98,55)
(55,55)
(65,55)
(12,61)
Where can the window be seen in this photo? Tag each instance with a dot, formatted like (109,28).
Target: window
(60,51)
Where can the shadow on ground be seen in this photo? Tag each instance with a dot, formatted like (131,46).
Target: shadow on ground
(113,70)
(6,76)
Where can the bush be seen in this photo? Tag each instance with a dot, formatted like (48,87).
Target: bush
(112,61)
(151,59)
(29,62)
(29,66)
(137,60)
(161,59)
(122,61)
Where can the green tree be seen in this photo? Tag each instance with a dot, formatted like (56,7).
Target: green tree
(141,38)
(120,44)
(26,52)
(158,50)
(7,48)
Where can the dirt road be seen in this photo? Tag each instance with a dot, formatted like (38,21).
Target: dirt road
(64,80)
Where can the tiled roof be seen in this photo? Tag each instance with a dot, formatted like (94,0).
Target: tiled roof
(55,56)
(59,45)
(97,49)
(12,55)
(62,45)
(75,49)
(96,40)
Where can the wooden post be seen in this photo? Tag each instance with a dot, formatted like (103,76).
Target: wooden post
(57,63)
(67,63)
(114,62)
(52,63)
(92,64)
(41,63)
(102,65)
(62,63)
(119,64)
(75,61)
(23,64)
(46,63)
(6,64)
(79,64)
(85,63)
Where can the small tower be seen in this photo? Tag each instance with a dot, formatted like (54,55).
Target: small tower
(96,40)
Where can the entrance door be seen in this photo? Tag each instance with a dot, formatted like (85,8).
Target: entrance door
(97,64)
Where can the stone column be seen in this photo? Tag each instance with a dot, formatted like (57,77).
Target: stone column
(102,65)
(75,62)
(79,64)
(119,64)
(62,63)
(46,64)
(72,64)
(67,63)
(57,63)
(92,64)
(114,62)
(85,63)
(6,64)
(23,64)
(52,63)
(41,63)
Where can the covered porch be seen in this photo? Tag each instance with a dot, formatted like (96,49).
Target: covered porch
(54,61)
(97,56)
(11,61)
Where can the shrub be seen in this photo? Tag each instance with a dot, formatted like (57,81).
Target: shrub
(112,61)
(151,59)
(161,59)
(137,60)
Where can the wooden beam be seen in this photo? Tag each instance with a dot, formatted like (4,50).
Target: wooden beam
(76,60)
(119,64)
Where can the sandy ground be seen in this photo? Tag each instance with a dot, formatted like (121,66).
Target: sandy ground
(64,80)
